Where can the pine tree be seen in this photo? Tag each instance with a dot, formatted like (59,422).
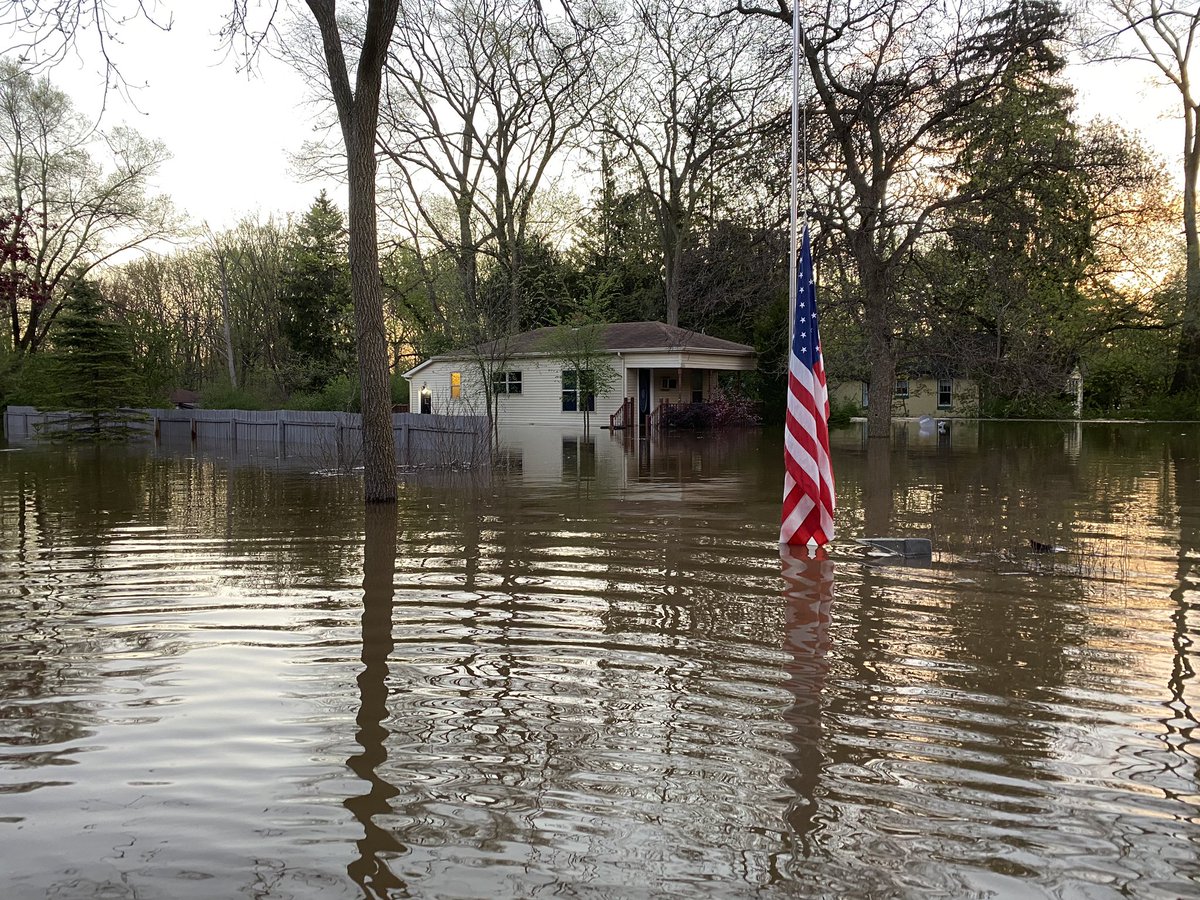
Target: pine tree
(93,371)
(316,296)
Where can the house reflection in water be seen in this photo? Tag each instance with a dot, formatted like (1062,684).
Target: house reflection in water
(621,462)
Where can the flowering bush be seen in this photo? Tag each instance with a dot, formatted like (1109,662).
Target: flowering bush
(722,410)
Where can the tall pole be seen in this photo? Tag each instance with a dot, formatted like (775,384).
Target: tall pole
(795,245)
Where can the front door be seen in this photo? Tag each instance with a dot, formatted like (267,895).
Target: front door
(643,394)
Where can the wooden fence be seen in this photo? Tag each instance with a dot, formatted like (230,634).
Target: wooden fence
(322,436)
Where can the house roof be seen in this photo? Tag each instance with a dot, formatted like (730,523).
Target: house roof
(616,337)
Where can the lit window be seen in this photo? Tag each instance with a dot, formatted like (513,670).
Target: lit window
(455,385)
(506,382)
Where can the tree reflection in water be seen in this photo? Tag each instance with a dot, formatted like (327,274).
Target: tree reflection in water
(370,870)
(1181,725)
(808,603)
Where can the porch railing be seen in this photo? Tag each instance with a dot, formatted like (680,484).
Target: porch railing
(624,414)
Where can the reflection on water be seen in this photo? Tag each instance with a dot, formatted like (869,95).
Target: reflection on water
(591,671)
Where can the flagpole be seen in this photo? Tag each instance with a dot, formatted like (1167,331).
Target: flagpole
(793,215)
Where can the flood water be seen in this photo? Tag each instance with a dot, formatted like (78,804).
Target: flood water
(592,674)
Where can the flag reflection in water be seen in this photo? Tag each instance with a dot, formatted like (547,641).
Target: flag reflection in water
(808,603)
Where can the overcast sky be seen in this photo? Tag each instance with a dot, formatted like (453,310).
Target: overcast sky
(231,134)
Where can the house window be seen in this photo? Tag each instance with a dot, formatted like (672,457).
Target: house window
(670,383)
(866,394)
(902,388)
(455,385)
(506,382)
(578,390)
(945,393)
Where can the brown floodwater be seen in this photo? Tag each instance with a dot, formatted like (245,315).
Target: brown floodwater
(591,673)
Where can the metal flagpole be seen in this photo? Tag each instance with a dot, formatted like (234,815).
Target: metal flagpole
(794,262)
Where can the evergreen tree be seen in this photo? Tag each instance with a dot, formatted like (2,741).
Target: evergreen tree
(318,321)
(618,272)
(1006,282)
(93,372)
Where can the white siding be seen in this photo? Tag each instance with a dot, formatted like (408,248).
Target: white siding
(539,403)
(540,400)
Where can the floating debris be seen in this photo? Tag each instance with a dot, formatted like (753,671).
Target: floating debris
(904,548)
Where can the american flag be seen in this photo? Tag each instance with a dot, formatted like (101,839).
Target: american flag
(808,496)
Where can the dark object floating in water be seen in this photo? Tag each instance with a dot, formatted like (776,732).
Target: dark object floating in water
(906,548)
(1039,547)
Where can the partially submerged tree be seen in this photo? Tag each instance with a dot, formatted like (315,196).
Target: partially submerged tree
(587,366)
(357,107)
(94,378)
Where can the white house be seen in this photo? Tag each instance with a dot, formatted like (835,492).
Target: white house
(652,362)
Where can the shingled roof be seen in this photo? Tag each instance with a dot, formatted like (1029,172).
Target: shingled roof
(617,336)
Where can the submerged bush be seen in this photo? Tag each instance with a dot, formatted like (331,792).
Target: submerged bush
(721,411)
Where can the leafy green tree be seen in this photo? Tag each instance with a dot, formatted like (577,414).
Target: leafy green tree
(318,308)
(1037,271)
(889,80)
(588,369)
(1005,285)
(616,259)
(94,372)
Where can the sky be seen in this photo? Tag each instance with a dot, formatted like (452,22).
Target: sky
(231,133)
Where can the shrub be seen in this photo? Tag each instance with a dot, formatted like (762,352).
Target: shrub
(340,394)
(721,411)
(399,388)
(841,412)
(223,395)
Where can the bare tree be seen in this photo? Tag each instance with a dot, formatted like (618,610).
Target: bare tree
(696,94)
(1164,34)
(482,99)
(887,81)
(51,27)
(357,106)
(86,193)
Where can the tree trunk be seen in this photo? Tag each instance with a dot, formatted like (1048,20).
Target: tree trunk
(358,115)
(881,347)
(225,326)
(379,448)
(671,286)
(1187,361)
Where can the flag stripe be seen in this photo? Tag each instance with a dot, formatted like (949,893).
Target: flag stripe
(808,491)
